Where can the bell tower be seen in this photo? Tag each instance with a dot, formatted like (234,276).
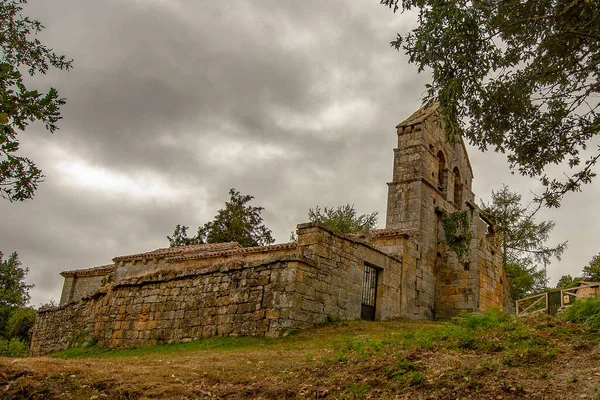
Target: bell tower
(431,179)
(429,172)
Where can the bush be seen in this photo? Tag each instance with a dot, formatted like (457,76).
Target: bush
(20,324)
(13,348)
(585,312)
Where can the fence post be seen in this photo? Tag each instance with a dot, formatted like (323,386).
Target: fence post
(517,307)
(547,304)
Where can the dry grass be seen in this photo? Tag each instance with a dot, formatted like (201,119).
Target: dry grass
(542,358)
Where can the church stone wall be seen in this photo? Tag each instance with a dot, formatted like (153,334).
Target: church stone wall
(190,292)
(292,287)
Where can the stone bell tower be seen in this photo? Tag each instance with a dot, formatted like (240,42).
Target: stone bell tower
(432,177)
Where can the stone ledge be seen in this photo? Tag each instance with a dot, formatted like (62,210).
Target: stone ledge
(240,251)
(94,271)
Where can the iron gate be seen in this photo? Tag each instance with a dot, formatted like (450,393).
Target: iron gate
(369,293)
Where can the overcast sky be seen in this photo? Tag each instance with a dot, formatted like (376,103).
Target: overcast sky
(171,103)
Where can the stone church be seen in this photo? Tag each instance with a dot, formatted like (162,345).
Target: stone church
(410,269)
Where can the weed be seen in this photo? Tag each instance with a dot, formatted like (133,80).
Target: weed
(585,312)
(359,347)
(358,391)
(400,368)
(493,318)
(330,320)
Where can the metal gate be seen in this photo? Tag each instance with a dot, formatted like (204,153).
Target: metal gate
(369,293)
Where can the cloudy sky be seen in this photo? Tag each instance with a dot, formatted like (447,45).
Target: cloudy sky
(171,103)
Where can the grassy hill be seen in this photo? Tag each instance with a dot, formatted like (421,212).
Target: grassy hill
(490,356)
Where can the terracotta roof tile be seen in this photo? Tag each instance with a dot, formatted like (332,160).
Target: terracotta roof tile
(101,270)
(240,250)
(180,250)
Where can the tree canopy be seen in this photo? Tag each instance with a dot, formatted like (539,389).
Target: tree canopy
(14,292)
(591,272)
(20,49)
(236,222)
(567,281)
(343,219)
(518,77)
(522,241)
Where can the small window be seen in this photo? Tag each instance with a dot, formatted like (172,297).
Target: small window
(441,170)
(458,188)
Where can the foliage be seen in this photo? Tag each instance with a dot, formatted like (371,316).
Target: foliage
(13,348)
(567,281)
(522,242)
(237,222)
(14,292)
(20,324)
(491,319)
(343,219)
(20,49)
(458,233)
(525,278)
(591,271)
(519,77)
(180,237)
(584,311)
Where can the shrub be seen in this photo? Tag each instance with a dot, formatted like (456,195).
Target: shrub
(20,323)
(585,312)
(13,348)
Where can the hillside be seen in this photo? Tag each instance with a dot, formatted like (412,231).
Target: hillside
(474,357)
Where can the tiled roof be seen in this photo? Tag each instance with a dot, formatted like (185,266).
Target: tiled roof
(240,250)
(101,270)
(181,250)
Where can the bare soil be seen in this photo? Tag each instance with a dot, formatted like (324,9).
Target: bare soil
(347,360)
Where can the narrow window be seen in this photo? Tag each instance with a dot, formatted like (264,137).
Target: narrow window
(369,293)
(458,188)
(441,169)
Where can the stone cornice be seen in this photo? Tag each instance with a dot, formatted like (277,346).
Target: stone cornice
(180,250)
(94,271)
(240,251)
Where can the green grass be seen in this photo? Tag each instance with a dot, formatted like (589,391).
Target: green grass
(585,312)
(472,353)
(213,344)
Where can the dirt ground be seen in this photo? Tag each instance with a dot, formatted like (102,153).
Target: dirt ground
(327,362)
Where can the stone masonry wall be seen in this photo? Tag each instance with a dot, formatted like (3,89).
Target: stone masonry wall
(320,276)
(334,287)
(226,299)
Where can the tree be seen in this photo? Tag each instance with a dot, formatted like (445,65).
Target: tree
(567,281)
(522,242)
(14,292)
(343,219)
(591,272)
(180,237)
(20,324)
(19,106)
(237,222)
(520,77)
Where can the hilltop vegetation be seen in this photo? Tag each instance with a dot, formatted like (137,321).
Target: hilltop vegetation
(489,356)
